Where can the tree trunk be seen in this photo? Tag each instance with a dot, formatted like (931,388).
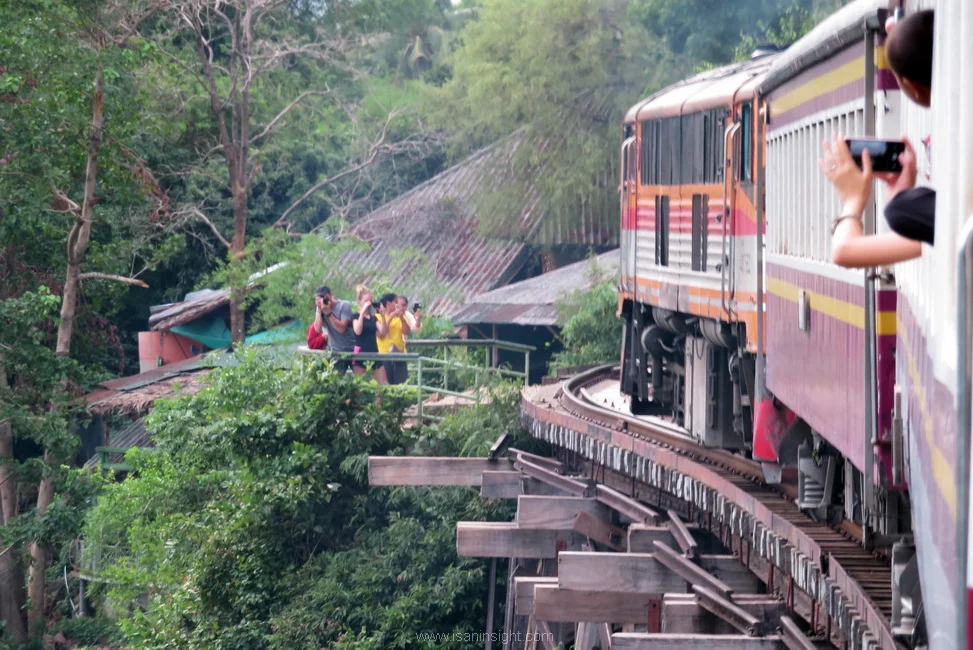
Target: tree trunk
(76,249)
(11,584)
(238,327)
(36,585)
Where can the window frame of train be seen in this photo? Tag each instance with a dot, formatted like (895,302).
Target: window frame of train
(746,143)
(700,231)
(683,149)
(662,230)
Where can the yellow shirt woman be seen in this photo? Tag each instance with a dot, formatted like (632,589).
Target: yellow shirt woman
(394,336)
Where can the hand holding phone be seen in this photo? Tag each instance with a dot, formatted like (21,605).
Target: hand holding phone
(884,153)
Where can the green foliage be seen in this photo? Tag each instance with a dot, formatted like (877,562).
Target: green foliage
(591,330)
(92,631)
(299,267)
(787,26)
(253,526)
(562,71)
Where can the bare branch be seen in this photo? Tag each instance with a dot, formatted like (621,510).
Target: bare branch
(297,100)
(198,215)
(373,153)
(116,278)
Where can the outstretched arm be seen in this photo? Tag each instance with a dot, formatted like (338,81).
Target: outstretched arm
(850,246)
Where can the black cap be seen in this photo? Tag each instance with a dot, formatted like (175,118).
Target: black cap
(322,291)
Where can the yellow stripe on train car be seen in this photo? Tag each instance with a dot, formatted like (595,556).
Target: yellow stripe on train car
(841,76)
(841,310)
(942,470)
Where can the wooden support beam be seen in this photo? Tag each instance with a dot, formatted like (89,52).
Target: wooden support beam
(605,636)
(508,484)
(691,572)
(641,573)
(430,470)
(634,510)
(682,614)
(556,513)
(545,637)
(628,641)
(682,535)
(600,531)
(524,593)
(793,637)
(554,604)
(552,464)
(573,486)
(724,608)
(502,484)
(506,539)
(641,536)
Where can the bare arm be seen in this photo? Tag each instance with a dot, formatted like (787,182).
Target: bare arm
(381,327)
(318,321)
(406,330)
(340,326)
(359,324)
(850,246)
(853,249)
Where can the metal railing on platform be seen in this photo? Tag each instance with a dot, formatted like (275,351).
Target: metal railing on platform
(453,374)
(453,367)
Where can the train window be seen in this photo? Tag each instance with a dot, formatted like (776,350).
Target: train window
(662,230)
(746,144)
(650,152)
(700,227)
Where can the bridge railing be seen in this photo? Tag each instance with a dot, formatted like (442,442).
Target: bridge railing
(447,367)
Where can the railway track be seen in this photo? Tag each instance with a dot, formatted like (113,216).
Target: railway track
(848,588)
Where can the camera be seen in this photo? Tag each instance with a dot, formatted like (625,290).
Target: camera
(884,153)
(416,307)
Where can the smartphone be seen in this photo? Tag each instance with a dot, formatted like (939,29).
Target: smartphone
(884,153)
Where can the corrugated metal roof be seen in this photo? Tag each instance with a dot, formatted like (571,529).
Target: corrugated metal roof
(442,218)
(534,301)
(134,435)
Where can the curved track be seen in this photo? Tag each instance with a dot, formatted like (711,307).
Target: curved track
(847,589)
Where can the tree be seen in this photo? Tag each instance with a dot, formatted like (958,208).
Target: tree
(562,72)
(54,151)
(252,524)
(232,49)
(589,325)
(36,410)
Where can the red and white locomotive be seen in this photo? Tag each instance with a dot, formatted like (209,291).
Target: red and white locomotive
(855,384)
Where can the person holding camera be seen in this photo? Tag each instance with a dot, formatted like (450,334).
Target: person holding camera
(369,327)
(393,340)
(910,211)
(334,317)
(413,319)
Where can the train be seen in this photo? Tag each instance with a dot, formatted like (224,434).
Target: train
(852,384)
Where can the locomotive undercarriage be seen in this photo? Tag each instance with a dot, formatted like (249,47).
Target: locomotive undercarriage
(692,371)
(696,372)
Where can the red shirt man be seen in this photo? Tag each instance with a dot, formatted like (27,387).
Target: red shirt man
(317,340)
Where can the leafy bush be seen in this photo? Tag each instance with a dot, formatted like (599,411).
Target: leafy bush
(253,526)
(591,330)
(92,631)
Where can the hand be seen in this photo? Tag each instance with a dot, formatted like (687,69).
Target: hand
(418,314)
(854,185)
(906,179)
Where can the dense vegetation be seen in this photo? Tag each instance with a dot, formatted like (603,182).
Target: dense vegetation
(150,147)
(253,526)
